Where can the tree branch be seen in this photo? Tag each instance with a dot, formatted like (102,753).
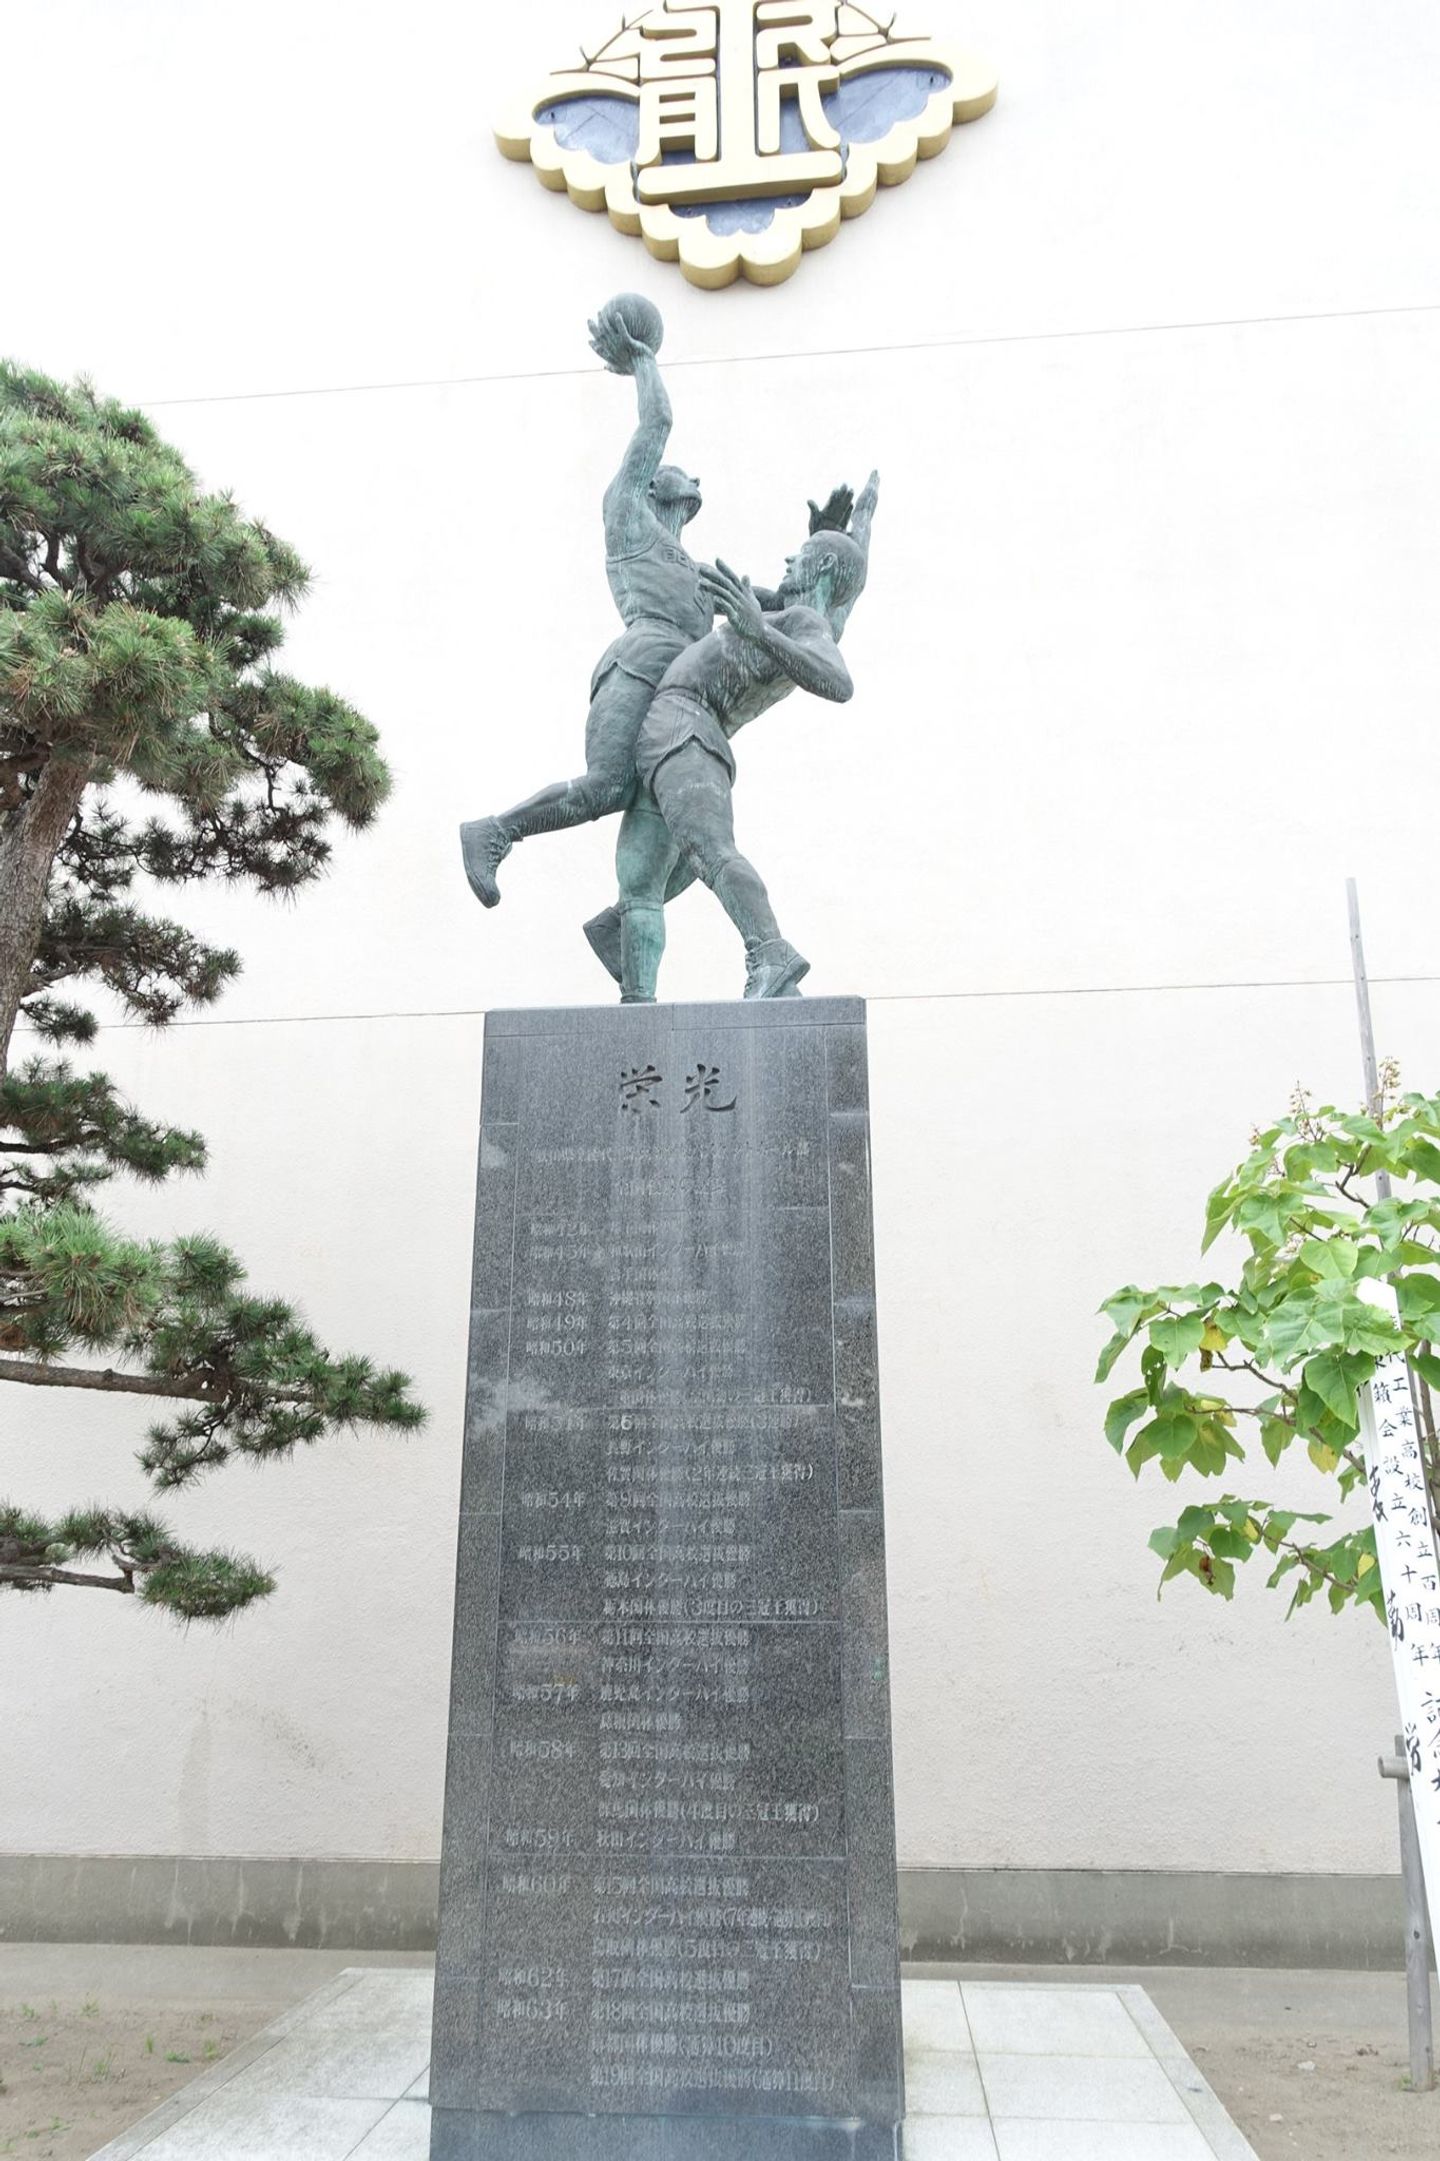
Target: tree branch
(33,1374)
(1306,1557)
(1342,1183)
(1248,1365)
(11,566)
(22,1576)
(13,768)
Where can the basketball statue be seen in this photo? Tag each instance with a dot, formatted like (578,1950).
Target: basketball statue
(674,689)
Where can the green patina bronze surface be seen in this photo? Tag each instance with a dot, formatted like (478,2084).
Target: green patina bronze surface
(674,689)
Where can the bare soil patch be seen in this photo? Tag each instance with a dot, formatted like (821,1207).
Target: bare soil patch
(1354,2105)
(76,2071)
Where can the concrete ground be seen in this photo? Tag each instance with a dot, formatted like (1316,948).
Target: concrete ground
(94,2036)
(993,2072)
(1311,2066)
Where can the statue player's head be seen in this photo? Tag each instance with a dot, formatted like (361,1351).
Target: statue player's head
(829,572)
(674,497)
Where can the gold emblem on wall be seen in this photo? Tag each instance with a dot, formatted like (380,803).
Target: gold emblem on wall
(731,135)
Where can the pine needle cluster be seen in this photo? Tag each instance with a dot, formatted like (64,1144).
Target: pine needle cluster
(147,740)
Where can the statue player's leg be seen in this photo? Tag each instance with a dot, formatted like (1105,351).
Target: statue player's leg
(603,930)
(644,859)
(693,790)
(620,704)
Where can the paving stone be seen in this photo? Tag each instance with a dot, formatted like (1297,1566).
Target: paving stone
(948,2138)
(1100,2142)
(370,2063)
(937,2084)
(237,2125)
(402,2135)
(1080,2089)
(241,2108)
(934,2015)
(1051,2022)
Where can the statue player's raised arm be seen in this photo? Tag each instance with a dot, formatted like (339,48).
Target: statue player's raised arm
(797,640)
(656,588)
(861,521)
(630,519)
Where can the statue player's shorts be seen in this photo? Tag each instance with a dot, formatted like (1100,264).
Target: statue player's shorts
(630,673)
(676,718)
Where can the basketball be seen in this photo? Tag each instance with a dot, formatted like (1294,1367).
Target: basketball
(641,318)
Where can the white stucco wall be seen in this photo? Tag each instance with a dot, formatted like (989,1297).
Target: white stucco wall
(1147,666)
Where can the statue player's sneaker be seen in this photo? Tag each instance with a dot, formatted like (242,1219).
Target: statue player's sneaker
(603,932)
(774,970)
(484,845)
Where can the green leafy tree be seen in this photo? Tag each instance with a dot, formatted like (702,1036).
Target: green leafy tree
(146,740)
(1278,1356)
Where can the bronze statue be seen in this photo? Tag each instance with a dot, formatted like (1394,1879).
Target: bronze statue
(671,693)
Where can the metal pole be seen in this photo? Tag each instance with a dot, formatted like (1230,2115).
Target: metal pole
(1417,1927)
(1367,1024)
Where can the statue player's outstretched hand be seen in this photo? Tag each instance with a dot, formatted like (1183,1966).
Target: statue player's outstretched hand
(733,596)
(834,516)
(614,344)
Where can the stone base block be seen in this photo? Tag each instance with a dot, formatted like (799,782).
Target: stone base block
(458,2136)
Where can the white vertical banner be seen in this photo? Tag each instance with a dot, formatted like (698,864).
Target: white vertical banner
(1400,1505)
(1410,1573)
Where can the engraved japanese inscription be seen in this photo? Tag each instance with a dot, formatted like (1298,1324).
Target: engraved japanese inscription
(668,1885)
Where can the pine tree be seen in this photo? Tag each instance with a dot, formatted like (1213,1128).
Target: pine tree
(146,738)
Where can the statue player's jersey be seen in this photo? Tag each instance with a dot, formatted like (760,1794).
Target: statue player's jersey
(661,602)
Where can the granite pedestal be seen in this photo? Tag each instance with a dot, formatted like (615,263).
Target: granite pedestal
(668,1914)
